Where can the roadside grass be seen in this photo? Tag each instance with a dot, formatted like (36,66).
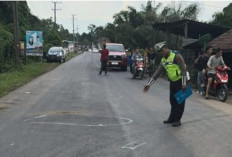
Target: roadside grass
(13,79)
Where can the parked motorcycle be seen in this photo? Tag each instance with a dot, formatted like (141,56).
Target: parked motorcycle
(219,87)
(139,68)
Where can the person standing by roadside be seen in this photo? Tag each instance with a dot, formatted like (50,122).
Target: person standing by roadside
(151,58)
(173,63)
(151,55)
(104,59)
(129,61)
(199,67)
(146,51)
(203,62)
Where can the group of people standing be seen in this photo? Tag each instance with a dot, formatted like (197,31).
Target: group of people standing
(149,56)
(174,65)
(206,64)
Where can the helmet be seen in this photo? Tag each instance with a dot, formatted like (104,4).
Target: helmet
(160,45)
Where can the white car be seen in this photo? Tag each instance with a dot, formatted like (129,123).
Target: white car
(95,50)
(56,54)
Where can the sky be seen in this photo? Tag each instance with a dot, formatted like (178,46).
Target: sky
(101,12)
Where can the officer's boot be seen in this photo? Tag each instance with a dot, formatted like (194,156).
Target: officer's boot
(177,121)
(171,117)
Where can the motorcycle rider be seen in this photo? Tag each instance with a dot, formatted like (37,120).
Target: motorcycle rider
(213,62)
(135,55)
(174,65)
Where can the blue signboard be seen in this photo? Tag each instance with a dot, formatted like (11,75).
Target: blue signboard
(34,43)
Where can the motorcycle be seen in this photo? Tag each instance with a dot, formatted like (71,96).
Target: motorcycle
(219,87)
(151,68)
(139,68)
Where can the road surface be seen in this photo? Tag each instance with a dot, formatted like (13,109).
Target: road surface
(74,112)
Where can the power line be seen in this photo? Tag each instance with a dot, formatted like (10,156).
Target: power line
(50,5)
(34,9)
(47,6)
(203,4)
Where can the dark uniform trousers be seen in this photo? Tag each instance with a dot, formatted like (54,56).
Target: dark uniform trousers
(176,109)
(103,66)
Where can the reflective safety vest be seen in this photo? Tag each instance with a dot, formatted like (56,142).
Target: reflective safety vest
(173,70)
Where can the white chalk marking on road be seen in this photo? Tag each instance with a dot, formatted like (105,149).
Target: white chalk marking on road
(27,120)
(128,144)
(55,123)
(89,125)
(134,145)
(40,116)
(28,92)
(12,144)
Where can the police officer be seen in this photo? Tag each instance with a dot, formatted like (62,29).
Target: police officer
(173,63)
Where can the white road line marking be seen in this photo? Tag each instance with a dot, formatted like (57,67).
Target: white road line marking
(134,147)
(40,116)
(28,92)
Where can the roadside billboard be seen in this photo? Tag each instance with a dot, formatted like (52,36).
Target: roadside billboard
(34,43)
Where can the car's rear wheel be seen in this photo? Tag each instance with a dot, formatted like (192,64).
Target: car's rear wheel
(124,68)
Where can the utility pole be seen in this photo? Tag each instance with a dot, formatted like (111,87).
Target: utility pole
(55,9)
(16,33)
(77,33)
(73,17)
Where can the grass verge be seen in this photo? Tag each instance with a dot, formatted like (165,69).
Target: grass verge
(11,80)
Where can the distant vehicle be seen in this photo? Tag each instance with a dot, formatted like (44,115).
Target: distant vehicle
(65,51)
(95,50)
(219,87)
(117,56)
(139,68)
(56,54)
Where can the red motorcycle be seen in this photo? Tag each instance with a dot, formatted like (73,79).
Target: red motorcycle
(219,87)
(139,68)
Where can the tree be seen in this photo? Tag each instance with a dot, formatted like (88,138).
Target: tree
(223,18)
(52,34)
(110,31)
(134,28)
(171,13)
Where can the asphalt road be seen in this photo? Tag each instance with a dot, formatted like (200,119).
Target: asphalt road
(74,112)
